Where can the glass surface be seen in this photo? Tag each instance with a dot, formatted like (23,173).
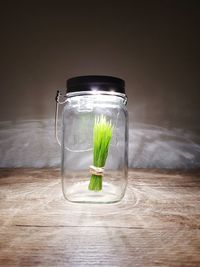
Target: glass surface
(79,116)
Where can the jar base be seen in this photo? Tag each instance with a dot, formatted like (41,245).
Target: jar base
(79,193)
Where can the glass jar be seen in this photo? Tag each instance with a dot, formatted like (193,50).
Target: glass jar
(94,141)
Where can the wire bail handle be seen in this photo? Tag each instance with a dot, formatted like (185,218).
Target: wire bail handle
(59,101)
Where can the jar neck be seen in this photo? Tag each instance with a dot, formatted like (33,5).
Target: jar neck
(98,93)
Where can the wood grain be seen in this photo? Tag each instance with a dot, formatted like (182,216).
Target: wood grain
(156,224)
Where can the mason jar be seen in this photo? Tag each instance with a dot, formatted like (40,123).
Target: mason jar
(94,141)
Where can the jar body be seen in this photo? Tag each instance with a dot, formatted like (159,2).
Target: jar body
(78,120)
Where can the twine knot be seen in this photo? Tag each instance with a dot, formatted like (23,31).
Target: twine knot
(99,171)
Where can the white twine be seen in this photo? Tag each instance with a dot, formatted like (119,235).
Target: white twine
(99,171)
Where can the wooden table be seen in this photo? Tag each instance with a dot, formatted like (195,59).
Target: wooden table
(156,224)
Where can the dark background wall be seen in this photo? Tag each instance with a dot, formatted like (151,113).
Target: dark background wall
(153,45)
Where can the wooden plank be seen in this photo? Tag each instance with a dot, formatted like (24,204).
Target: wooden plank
(98,246)
(35,197)
(156,224)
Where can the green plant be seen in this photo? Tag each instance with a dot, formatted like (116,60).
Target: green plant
(102,134)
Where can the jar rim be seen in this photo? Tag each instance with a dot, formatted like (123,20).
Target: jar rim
(94,92)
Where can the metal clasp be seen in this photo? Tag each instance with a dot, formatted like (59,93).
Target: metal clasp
(58,97)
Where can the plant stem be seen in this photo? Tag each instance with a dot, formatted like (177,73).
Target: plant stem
(95,183)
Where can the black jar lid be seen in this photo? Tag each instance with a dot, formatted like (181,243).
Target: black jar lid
(95,83)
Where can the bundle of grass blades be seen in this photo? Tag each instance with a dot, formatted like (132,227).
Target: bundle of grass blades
(102,134)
